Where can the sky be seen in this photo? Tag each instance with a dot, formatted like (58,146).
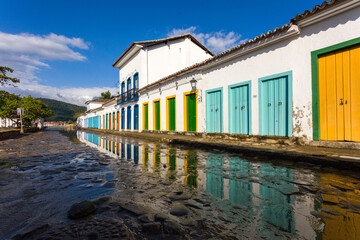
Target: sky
(64,50)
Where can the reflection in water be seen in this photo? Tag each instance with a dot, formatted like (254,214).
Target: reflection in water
(277,205)
(343,219)
(190,167)
(171,163)
(278,202)
(214,180)
(240,191)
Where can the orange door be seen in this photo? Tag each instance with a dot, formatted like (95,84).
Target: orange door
(339,95)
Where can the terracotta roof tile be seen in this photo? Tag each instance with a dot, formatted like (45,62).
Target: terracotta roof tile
(316,9)
(193,67)
(158,41)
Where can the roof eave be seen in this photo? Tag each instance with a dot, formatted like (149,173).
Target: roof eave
(329,10)
(129,52)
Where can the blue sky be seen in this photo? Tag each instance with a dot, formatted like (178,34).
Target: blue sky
(65,49)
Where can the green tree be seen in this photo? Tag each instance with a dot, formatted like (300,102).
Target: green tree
(106,95)
(6,80)
(8,104)
(33,109)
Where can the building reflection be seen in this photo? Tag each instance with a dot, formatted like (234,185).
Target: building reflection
(277,204)
(263,190)
(344,218)
(190,167)
(156,159)
(214,180)
(171,163)
(145,156)
(240,191)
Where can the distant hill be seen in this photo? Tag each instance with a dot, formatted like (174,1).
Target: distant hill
(62,111)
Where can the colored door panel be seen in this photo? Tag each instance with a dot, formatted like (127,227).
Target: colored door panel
(146,116)
(171,114)
(239,109)
(123,118)
(339,95)
(157,115)
(129,118)
(191,112)
(274,106)
(214,111)
(136,117)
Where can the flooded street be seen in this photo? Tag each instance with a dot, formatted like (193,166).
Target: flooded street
(203,194)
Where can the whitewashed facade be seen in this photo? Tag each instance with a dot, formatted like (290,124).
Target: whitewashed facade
(270,85)
(283,52)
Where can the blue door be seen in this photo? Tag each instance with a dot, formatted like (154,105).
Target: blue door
(239,108)
(123,118)
(275,107)
(129,118)
(214,110)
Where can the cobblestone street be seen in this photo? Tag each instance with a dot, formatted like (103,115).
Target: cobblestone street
(135,189)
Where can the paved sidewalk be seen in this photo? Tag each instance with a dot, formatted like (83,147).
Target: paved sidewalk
(309,155)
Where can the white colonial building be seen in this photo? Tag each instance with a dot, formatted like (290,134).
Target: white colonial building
(299,80)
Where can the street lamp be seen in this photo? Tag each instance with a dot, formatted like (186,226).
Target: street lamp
(193,83)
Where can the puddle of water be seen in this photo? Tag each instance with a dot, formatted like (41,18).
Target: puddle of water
(259,197)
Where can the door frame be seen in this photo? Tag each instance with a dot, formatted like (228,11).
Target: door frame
(154,115)
(167,112)
(315,81)
(248,83)
(144,116)
(128,118)
(185,110)
(207,92)
(136,122)
(289,91)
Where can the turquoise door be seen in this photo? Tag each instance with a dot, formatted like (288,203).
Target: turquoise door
(214,110)
(275,117)
(239,108)
(136,117)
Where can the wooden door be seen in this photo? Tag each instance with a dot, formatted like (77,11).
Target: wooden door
(239,109)
(339,95)
(214,111)
(191,112)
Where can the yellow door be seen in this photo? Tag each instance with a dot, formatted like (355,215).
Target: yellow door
(339,95)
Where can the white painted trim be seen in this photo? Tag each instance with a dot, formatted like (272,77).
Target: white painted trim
(335,10)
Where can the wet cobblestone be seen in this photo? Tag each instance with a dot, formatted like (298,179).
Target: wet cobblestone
(225,196)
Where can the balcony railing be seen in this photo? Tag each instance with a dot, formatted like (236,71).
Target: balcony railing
(127,96)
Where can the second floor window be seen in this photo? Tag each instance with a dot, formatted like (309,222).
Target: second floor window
(136,81)
(122,87)
(128,84)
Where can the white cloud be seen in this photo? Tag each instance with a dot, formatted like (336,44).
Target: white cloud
(76,96)
(26,52)
(215,41)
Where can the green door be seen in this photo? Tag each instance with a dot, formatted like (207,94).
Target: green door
(191,112)
(157,115)
(171,114)
(146,117)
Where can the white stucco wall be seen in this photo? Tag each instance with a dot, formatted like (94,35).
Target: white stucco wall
(292,54)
